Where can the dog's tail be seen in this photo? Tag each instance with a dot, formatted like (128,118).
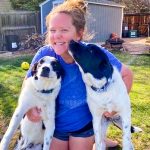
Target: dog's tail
(135,129)
(117,121)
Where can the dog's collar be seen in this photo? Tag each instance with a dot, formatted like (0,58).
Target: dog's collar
(45,91)
(103,88)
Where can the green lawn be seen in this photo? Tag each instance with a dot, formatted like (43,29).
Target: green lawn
(11,77)
(140,99)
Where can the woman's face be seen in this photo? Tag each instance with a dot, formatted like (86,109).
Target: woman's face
(61,31)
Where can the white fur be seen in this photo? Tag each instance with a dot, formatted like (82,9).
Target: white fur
(114,98)
(31,97)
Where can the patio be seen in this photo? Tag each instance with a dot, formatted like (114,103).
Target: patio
(137,45)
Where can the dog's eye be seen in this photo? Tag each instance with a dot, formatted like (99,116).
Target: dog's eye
(54,65)
(91,51)
(41,61)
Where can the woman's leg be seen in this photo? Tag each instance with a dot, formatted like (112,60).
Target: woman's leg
(57,144)
(81,143)
(111,143)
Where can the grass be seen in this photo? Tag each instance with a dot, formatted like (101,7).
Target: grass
(139,95)
(11,77)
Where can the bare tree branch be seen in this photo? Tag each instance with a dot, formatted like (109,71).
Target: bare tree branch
(135,6)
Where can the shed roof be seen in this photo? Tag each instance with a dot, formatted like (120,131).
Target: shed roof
(105,2)
(44,2)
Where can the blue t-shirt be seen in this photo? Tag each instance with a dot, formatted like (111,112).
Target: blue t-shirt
(72,112)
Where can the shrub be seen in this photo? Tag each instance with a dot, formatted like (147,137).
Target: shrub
(32,5)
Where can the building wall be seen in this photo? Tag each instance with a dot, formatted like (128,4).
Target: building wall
(104,20)
(45,8)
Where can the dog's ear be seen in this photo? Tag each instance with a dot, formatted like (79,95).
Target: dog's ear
(61,71)
(34,69)
(57,67)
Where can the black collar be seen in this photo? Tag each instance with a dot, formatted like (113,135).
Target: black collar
(103,88)
(46,91)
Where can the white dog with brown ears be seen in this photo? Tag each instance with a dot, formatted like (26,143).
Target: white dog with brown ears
(40,90)
(106,91)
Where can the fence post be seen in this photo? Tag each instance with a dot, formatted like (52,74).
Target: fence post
(1,42)
(38,22)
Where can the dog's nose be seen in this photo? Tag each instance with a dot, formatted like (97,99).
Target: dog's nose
(46,69)
(45,72)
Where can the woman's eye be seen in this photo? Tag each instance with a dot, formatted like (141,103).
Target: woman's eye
(41,61)
(64,30)
(52,31)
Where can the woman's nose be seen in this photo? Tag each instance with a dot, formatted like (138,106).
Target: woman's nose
(58,34)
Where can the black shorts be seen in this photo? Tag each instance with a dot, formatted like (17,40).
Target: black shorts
(86,131)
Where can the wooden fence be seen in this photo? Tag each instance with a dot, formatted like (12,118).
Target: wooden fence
(139,22)
(18,23)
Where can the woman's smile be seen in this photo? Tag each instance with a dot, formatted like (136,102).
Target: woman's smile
(59,43)
(61,32)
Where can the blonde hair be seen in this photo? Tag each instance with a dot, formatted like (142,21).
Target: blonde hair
(77,9)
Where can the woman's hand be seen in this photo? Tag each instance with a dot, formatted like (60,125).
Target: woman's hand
(34,114)
(109,114)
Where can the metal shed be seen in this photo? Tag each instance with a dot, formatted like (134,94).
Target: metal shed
(105,17)
(45,8)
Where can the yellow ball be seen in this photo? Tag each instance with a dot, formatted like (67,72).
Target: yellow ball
(25,65)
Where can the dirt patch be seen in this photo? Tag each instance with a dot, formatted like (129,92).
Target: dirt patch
(130,45)
(136,45)
(7,54)
(25,52)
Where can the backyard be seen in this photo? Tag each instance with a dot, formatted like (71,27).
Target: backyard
(12,75)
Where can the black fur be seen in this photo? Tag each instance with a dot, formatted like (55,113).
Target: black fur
(58,68)
(45,72)
(34,69)
(91,59)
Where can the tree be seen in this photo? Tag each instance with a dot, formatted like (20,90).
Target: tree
(135,6)
(26,4)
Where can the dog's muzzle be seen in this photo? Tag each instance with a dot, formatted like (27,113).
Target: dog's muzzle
(45,72)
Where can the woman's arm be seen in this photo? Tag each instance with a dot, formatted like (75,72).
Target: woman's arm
(127,76)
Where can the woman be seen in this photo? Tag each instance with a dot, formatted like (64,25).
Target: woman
(74,130)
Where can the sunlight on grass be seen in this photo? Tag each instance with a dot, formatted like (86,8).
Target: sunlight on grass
(140,100)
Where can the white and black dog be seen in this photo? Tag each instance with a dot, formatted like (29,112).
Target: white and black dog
(40,90)
(106,91)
